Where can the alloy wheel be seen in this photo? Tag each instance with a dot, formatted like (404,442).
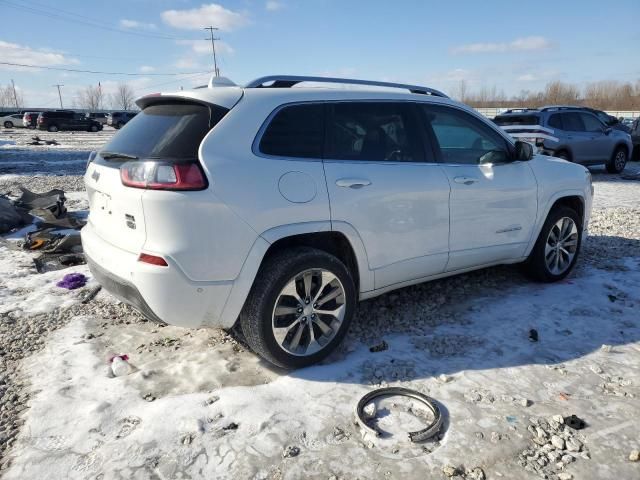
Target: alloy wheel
(620,160)
(308,312)
(561,245)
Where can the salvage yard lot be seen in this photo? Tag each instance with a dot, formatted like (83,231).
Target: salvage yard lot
(199,404)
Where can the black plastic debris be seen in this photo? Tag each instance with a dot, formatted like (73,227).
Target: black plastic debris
(12,217)
(49,262)
(41,203)
(381,347)
(612,298)
(575,422)
(533,335)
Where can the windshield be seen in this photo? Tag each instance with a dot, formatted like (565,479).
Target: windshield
(171,130)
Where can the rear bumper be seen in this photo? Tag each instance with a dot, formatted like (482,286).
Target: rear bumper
(121,289)
(162,294)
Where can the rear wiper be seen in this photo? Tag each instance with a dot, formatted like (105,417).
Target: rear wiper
(112,155)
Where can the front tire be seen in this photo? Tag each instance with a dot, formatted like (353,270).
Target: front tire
(618,160)
(93,128)
(299,307)
(563,154)
(8,125)
(556,250)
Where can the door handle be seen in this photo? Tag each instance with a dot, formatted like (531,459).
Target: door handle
(352,182)
(465,180)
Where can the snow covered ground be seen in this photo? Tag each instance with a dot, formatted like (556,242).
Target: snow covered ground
(198,404)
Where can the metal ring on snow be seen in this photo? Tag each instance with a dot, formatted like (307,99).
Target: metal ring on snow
(417,436)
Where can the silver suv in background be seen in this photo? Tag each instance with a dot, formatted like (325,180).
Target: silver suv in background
(572,133)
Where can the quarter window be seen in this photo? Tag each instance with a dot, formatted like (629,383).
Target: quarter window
(368,131)
(463,139)
(295,131)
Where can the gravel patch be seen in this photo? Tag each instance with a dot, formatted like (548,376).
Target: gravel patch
(9,184)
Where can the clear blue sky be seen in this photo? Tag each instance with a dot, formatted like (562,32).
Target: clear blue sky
(512,45)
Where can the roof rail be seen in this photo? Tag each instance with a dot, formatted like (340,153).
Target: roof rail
(519,110)
(288,81)
(560,107)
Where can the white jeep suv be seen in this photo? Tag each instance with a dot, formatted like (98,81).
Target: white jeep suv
(279,207)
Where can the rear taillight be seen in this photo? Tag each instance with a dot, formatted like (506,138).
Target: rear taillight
(163,176)
(152,260)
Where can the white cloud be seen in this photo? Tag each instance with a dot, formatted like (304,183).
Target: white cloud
(211,14)
(124,23)
(146,69)
(202,47)
(273,5)
(527,77)
(518,45)
(14,53)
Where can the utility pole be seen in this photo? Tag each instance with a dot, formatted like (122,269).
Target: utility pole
(59,94)
(216,72)
(15,97)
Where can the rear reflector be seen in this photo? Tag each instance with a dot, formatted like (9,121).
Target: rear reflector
(163,176)
(152,260)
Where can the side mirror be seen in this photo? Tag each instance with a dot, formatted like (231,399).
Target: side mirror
(524,151)
(607,130)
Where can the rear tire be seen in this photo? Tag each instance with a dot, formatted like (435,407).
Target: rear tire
(93,128)
(618,160)
(563,224)
(285,319)
(53,128)
(8,124)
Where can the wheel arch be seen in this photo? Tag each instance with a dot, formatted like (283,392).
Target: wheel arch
(339,241)
(572,198)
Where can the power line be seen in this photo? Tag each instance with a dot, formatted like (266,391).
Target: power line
(101,73)
(94,23)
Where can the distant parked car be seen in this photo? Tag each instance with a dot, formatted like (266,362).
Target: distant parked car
(608,120)
(119,119)
(627,121)
(30,119)
(574,134)
(11,120)
(66,120)
(635,139)
(99,117)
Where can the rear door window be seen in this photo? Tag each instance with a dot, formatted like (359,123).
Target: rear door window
(374,131)
(555,121)
(295,131)
(170,131)
(572,122)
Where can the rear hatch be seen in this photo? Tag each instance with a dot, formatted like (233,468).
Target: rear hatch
(158,150)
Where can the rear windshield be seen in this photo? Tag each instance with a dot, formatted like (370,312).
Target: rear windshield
(168,130)
(503,120)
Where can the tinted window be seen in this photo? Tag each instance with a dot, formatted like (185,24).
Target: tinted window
(168,131)
(517,120)
(295,131)
(463,139)
(572,122)
(591,123)
(374,131)
(555,121)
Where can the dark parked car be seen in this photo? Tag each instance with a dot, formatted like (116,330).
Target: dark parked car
(635,138)
(119,119)
(66,120)
(99,117)
(30,119)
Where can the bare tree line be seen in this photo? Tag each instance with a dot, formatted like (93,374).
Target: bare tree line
(93,98)
(603,95)
(10,98)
